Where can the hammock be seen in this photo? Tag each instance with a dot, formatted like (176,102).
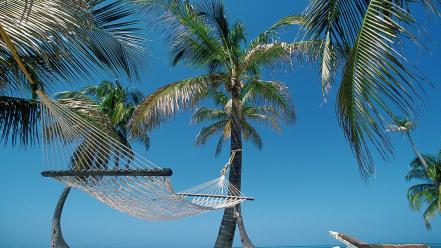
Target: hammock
(79,154)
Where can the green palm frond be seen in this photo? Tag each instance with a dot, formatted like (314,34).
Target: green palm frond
(272,34)
(375,82)
(168,100)
(68,40)
(226,134)
(376,78)
(207,114)
(209,131)
(430,213)
(19,121)
(251,134)
(271,93)
(419,174)
(281,52)
(191,40)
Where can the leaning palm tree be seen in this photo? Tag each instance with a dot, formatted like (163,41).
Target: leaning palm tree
(377,82)
(117,103)
(109,106)
(405,126)
(428,192)
(201,36)
(252,111)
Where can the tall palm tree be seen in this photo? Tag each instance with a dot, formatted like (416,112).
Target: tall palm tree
(201,36)
(110,106)
(428,192)
(377,82)
(405,126)
(252,111)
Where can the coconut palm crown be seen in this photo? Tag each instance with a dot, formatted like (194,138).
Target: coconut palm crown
(428,191)
(251,112)
(116,102)
(200,35)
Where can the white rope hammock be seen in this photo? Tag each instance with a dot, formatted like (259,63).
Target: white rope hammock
(79,154)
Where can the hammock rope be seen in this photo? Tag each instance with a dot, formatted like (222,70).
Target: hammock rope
(82,155)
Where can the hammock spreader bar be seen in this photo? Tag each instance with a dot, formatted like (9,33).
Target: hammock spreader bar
(113,172)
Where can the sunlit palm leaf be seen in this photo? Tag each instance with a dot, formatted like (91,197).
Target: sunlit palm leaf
(280,52)
(271,93)
(168,100)
(209,131)
(71,38)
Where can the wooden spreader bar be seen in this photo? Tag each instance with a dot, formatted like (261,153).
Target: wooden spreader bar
(121,172)
(218,196)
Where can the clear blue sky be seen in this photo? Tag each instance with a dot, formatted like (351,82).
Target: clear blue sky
(305,180)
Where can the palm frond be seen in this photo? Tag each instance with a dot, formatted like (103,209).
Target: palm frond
(19,121)
(68,40)
(251,134)
(206,132)
(281,52)
(421,193)
(272,34)
(168,100)
(191,40)
(431,211)
(375,82)
(419,174)
(271,93)
(208,114)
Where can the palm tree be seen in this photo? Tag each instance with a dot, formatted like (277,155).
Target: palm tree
(45,41)
(110,106)
(405,126)
(428,192)
(377,82)
(251,111)
(117,103)
(201,36)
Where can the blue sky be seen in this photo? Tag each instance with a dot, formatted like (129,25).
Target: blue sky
(305,180)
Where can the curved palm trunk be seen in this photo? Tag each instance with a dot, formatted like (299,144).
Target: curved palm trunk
(246,242)
(228,225)
(57,240)
(423,161)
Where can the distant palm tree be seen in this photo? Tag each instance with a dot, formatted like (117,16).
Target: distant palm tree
(251,111)
(405,126)
(117,103)
(110,106)
(200,35)
(429,191)
(377,81)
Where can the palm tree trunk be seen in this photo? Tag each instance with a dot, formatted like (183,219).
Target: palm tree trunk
(422,160)
(246,242)
(57,237)
(228,225)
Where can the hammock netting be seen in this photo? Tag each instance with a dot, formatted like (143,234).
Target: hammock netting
(78,152)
